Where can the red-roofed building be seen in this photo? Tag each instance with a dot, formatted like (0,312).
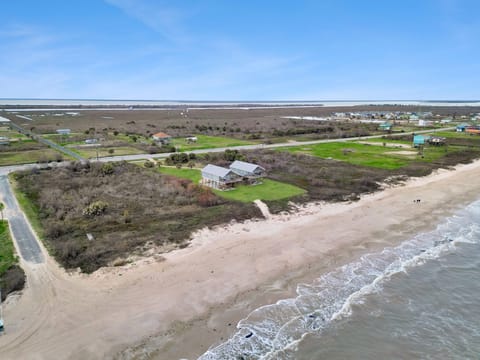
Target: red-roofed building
(162,138)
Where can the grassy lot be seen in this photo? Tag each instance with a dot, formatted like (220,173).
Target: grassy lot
(12,277)
(7,250)
(209,142)
(184,173)
(367,155)
(91,152)
(11,134)
(454,134)
(267,190)
(27,156)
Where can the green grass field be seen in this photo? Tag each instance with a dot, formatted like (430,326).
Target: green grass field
(27,156)
(11,134)
(368,155)
(184,173)
(267,190)
(7,250)
(208,142)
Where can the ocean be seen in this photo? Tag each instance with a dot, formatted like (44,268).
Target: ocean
(417,300)
(71,103)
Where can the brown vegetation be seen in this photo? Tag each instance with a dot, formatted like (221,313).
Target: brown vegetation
(123,207)
(12,280)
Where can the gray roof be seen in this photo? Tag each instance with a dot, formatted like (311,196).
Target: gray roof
(216,170)
(244,166)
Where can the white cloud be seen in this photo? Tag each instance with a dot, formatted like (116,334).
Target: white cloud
(166,20)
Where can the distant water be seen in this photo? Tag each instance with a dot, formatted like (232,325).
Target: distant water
(176,103)
(419,300)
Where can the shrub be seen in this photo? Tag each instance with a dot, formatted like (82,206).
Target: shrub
(148,164)
(96,208)
(108,169)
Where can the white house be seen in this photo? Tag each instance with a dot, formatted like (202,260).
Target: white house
(247,170)
(219,177)
(64,131)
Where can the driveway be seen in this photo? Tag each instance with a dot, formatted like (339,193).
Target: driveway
(23,235)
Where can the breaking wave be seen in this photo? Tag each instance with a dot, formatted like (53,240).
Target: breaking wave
(269,331)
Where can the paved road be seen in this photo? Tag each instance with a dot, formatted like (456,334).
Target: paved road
(24,237)
(26,240)
(259,146)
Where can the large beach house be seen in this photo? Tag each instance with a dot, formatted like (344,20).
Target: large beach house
(247,170)
(218,177)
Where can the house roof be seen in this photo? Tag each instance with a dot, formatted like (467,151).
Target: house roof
(244,166)
(161,135)
(216,170)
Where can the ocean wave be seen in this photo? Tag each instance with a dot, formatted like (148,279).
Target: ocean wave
(270,330)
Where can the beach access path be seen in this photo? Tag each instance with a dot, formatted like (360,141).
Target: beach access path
(177,304)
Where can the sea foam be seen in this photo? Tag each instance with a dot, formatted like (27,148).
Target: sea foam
(270,330)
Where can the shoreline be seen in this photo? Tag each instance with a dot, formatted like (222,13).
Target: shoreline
(180,305)
(220,322)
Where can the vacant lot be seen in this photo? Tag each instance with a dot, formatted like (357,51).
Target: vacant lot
(125,208)
(12,277)
(208,142)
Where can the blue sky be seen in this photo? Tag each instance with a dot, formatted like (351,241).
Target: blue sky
(240,50)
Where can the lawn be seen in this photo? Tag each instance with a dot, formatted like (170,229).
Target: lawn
(354,153)
(27,156)
(184,173)
(267,190)
(208,142)
(7,250)
(370,155)
(91,152)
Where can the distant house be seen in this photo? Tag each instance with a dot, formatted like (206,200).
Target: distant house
(386,126)
(247,170)
(162,138)
(437,140)
(91,141)
(462,127)
(418,140)
(191,139)
(473,130)
(4,140)
(219,177)
(63,131)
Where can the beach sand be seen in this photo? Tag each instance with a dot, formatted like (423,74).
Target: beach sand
(177,305)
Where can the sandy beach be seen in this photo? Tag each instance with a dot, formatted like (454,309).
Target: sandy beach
(177,305)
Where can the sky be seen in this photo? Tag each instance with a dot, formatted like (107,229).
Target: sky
(241,50)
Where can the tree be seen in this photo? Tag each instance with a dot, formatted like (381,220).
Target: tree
(2,206)
(111,151)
